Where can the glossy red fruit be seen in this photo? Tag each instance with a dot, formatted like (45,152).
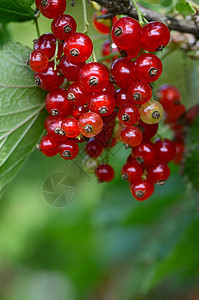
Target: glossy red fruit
(155,36)
(90,124)
(148,130)
(48,146)
(131,136)
(145,154)
(180,149)
(47,43)
(68,69)
(63,26)
(69,149)
(126,32)
(53,126)
(110,88)
(38,61)
(130,53)
(174,112)
(77,95)
(129,114)
(148,67)
(51,8)
(139,92)
(109,48)
(168,94)
(94,148)
(57,103)
(70,127)
(105,172)
(120,98)
(77,111)
(93,77)
(166,150)
(78,48)
(102,103)
(103,25)
(105,135)
(142,190)
(131,171)
(49,79)
(158,173)
(122,72)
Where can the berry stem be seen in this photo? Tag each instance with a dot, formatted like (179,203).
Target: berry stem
(141,18)
(55,56)
(37,26)
(103,58)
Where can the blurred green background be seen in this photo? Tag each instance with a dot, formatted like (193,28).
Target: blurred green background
(104,245)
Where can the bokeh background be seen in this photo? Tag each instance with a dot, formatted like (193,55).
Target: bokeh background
(104,245)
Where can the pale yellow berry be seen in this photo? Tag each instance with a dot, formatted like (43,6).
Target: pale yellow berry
(151,112)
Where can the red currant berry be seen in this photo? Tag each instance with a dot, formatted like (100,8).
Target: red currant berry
(155,36)
(51,8)
(174,112)
(126,32)
(90,124)
(105,172)
(129,114)
(63,27)
(102,25)
(76,94)
(148,67)
(70,127)
(131,171)
(94,148)
(78,48)
(77,111)
(105,135)
(49,79)
(93,77)
(110,88)
(47,44)
(120,98)
(151,112)
(102,103)
(145,154)
(180,148)
(47,121)
(48,146)
(166,150)
(53,126)
(131,136)
(139,92)
(158,173)
(38,61)
(148,130)
(142,190)
(56,103)
(168,94)
(130,53)
(69,149)
(122,72)
(109,48)
(69,70)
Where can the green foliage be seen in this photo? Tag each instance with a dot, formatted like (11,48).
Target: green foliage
(184,8)
(16,10)
(4,35)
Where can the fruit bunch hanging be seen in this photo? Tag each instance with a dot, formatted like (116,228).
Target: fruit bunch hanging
(91,104)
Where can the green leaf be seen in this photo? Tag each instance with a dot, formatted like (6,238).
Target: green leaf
(184,8)
(4,35)
(16,10)
(21,113)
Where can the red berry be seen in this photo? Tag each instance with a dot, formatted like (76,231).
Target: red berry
(155,36)
(103,25)
(145,154)
(168,94)
(148,67)
(105,135)
(110,88)
(48,146)
(131,171)
(68,69)
(129,114)
(93,77)
(102,103)
(70,127)
(77,95)
(122,72)
(126,32)
(90,124)
(120,98)
(51,8)
(131,136)
(53,126)
(158,173)
(94,148)
(166,150)
(69,149)
(139,92)
(63,27)
(56,103)
(78,48)
(180,148)
(174,112)
(49,79)
(148,130)
(142,190)
(109,48)
(105,172)
(130,53)
(38,61)
(47,43)
(77,111)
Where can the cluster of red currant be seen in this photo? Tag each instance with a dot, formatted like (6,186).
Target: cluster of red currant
(90,109)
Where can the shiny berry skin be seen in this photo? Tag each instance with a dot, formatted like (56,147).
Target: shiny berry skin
(48,146)
(70,127)
(174,112)
(158,173)
(129,114)
(148,130)
(56,103)
(131,136)
(93,77)
(142,190)
(78,48)
(51,8)
(151,112)
(77,111)
(47,43)
(49,79)
(139,92)
(148,67)
(38,61)
(126,32)
(76,94)
(53,126)
(131,171)
(145,154)
(94,148)
(166,150)
(68,149)
(63,26)
(105,172)
(122,72)
(120,98)
(155,36)
(109,48)
(102,103)
(102,25)
(68,69)
(90,124)
(110,88)
(130,53)
(168,94)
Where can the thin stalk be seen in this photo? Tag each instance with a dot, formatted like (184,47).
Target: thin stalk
(103,58)
(55,56)
(140,14)
(37,26)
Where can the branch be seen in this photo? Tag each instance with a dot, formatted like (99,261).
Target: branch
(126,7)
